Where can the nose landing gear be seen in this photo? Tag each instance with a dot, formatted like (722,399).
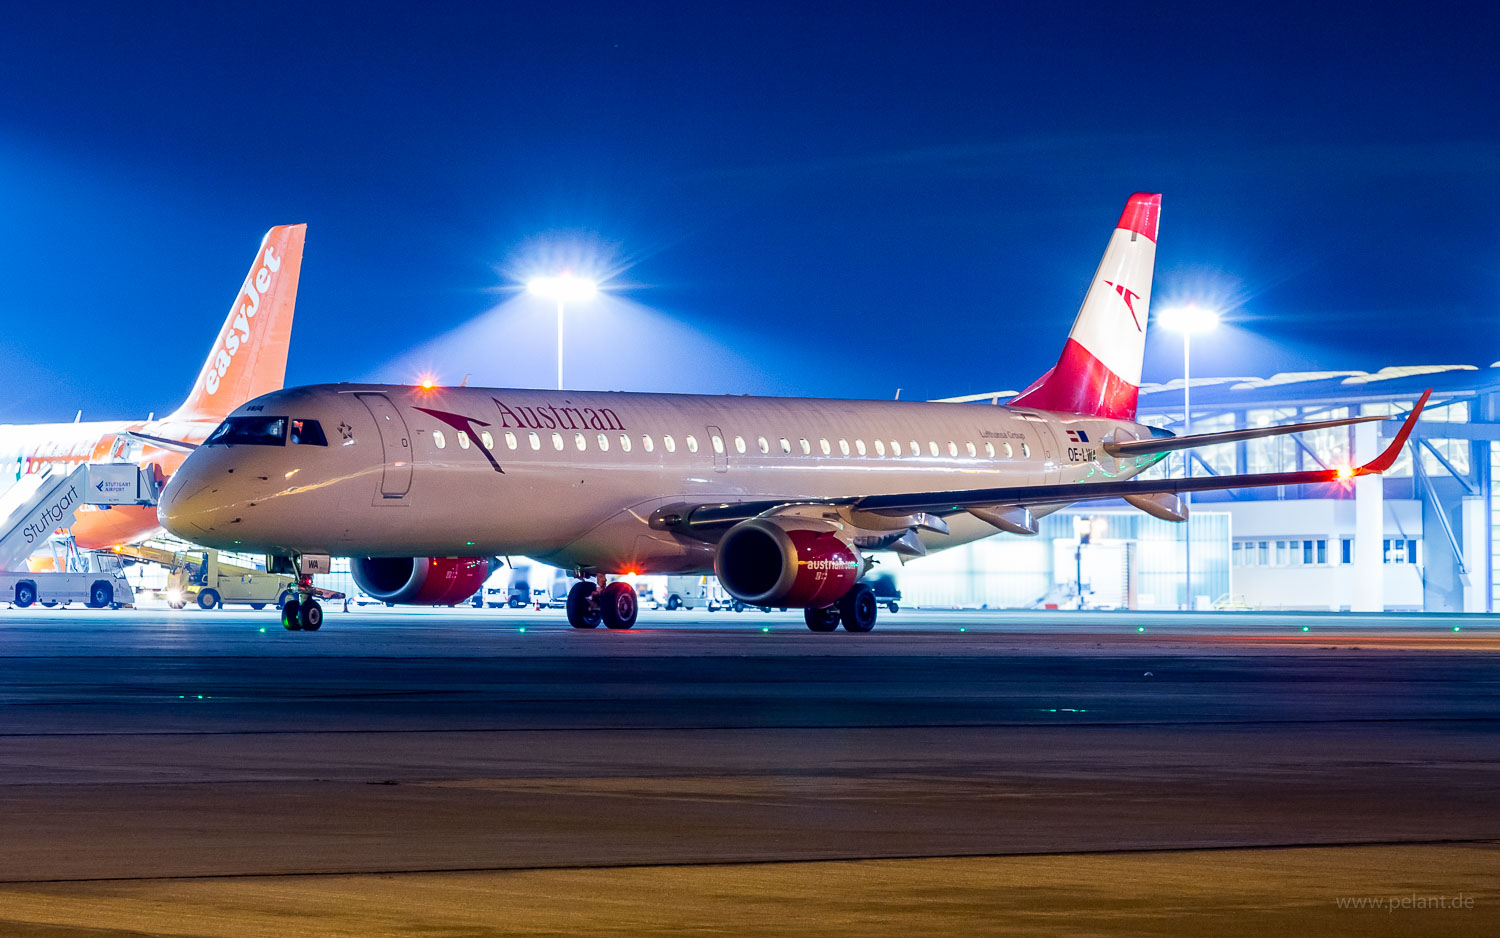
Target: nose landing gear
(301,612)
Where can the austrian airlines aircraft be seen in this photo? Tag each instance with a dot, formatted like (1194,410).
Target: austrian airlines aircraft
(782,498)
(247,359)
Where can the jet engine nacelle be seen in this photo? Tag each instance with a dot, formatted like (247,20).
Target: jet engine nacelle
(420,581)
(794,562)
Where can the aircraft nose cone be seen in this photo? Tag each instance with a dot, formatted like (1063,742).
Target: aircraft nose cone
(188,506)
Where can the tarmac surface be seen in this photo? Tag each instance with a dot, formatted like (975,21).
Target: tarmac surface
(477,772)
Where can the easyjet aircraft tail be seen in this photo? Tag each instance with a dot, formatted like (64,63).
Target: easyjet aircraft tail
(1099,372)
(248,358)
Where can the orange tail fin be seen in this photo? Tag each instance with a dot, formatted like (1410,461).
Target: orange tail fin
(249,356)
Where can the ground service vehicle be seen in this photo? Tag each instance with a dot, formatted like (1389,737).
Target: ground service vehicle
(100,584)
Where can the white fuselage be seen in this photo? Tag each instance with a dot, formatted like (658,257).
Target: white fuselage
(572,477)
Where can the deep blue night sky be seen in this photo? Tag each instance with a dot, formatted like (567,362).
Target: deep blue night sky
(799,199)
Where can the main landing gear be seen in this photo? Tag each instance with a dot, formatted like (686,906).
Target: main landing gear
(591,602)
(857,612)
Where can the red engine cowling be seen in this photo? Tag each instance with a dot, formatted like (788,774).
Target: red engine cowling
(420,581)
(804,563)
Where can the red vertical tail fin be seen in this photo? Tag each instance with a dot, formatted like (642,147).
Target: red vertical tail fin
(1099,371)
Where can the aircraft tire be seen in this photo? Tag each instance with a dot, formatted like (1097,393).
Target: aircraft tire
(582,612)
(289,620)
(618,606)
(822,620)
(859,609)
(310,616)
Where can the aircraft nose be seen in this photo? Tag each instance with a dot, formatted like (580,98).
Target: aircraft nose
(190,506)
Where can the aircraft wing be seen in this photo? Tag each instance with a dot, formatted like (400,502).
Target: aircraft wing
(704,519)
(163,442)
(1171,444)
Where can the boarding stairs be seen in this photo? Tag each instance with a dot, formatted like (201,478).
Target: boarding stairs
(42,502)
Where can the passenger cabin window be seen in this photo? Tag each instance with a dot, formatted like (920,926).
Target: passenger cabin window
(534,440)
(879,447)
(739,444)
(669,443)
(510,440)
(463,440)
(692,443)
(580,441)
(1009,452)
(249,431)
(843,447)
(646,443)
(859,447)
(557,442)
(718,442)
(438,440)
(916,448)
(952,449)
(487,439)
(1025,451)
(823,445)
(969,448)
(765,447)
(932,447)
(989,449)
(603,443)
(624,443)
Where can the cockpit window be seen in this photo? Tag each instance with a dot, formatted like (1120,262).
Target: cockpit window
(252,431)
(308,432)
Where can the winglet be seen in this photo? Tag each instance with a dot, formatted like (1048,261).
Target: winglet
(1384,461)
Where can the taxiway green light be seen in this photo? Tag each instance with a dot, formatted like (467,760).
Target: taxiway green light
(1304,628)
(262,631)
(1140,628)
(1456,629)
(765,628)
(523,628)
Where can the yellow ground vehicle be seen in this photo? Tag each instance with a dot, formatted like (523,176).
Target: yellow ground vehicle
(198,576)
(201,578)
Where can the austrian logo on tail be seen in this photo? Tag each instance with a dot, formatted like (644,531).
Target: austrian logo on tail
(1129,297)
